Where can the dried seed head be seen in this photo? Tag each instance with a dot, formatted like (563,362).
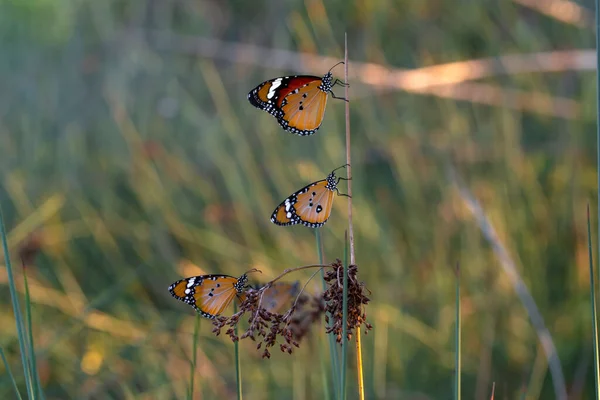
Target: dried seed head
(334,298)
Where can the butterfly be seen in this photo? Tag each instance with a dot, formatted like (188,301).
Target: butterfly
(209,294)
(309,206)
(297,102)
(279,294)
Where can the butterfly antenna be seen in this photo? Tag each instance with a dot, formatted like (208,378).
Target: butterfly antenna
(252,270)
(343,166)
(341,62)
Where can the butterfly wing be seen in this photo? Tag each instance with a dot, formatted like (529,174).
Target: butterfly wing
(279,295)
(298,102)
(310,206)
(208,294)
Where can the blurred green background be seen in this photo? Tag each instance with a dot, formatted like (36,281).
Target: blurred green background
(128,146)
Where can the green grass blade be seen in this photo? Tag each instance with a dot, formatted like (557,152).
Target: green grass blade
(37,384)
(345,324)
(324,380)
(236,353)
(593,301)
(16,310)
(332,344)
(194,351)
(457,360)
(10,375)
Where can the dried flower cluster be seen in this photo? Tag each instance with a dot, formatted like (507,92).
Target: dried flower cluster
(334,298)
(294,324)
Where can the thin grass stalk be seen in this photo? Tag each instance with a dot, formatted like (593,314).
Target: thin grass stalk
(593,301)
(194,351)
(10,375)
(457,360)
(17,311)
(236,354)
(345,323)
(332,350)
(31,351)
(359,367)
(324,380)
(596,361)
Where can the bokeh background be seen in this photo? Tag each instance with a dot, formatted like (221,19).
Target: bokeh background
(129,151)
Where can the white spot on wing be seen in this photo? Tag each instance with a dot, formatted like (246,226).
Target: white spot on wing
(276,83)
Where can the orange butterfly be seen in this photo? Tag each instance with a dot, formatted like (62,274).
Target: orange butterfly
(279,294)
(209,294)
(297,102)
(311,205)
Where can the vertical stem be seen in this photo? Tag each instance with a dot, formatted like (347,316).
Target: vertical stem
(17,311)
(194,351)
(593,301)
(457,361)
(32,358)
(236,353)
(332,351)
(359,369)
(10,375)
(345,323)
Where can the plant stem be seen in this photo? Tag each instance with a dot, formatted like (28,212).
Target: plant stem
(32,358)
(16,310)
(332,350)
(345,323)
(457,360)
(359,367)
(593,301)
(10,375)
(194,351)
(236,353)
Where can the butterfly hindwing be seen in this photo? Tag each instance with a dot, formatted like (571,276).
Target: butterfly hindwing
(279,294)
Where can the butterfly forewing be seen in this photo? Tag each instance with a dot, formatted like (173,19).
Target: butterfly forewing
(208,294)
(298,102)
(310,206)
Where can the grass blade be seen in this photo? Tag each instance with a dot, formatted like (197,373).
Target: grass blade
(345,324)
(457,360)
(31,351)
(194,351)
(16,310)
(236,353)
(10,375)
(332,349)
(593,301)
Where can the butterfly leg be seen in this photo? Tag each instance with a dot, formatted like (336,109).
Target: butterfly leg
(339,98)
(342,194)
(339,82)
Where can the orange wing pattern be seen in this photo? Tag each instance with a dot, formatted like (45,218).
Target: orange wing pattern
(309,206)
(279,294)
(297,102)
(208,294)
(304,108)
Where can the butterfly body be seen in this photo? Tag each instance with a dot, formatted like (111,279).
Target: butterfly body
(297,102)
(208,294)
(309,206)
